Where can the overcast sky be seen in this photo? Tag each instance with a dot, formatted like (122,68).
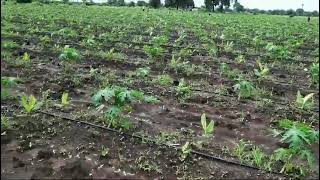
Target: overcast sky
(309,5)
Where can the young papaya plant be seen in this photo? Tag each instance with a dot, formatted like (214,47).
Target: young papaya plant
(262,72)
(64,99)
(306,102)
(28,103)
(207,128)
(185,151)
(26,57)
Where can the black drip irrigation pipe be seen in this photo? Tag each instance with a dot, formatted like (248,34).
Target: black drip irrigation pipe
(204,155)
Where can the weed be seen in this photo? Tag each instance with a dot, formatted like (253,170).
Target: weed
(8,81)
(240,59)
(153,52)
(245,89)
(104,151)
(213,51)
(111,55)
(45,39)
(159,41)
(9,44)
(239,151)
(185,53)
(69,54)
(232,74)
(163,80)
(183,90)
(258,156)
(175,64)
(142,72)
(144,164)
(315,73)
(4,94)
(150,99)
(5,125)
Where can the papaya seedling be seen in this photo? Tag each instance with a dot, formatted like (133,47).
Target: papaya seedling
(185,151)
(207,128)
(306,102)
(28,103)
(64,99)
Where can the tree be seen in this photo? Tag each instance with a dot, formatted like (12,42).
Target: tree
(131,4)
(112,2)
(300,12)
(179,3)
(189,3)
(169,3)
(315,13)
(211,4)
(141,3)
(121,3)
(24,1)
(238,7)
(290,13)
(155,3)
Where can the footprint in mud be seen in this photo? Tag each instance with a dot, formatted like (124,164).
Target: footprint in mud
(42,172)
(45,154)
(17,163)
(6,139)
(78,169)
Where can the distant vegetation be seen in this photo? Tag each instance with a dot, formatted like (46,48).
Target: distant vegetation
(210,5)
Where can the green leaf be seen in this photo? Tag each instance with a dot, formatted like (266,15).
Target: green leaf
(282,154)
(306,154)
(285,123)
(137,95)
(107,94)
(299,100)
(295,137)
(64,99)
(29,104)
(204,121)
(150,99)
(125,95)
(307,98)
(113,111)
(24,102)
(210,127)
(185,148)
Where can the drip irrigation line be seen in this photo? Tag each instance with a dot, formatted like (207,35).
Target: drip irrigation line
(204,155)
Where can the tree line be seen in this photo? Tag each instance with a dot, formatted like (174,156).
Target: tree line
(209,5)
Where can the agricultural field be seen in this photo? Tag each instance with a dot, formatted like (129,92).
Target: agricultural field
(118,92)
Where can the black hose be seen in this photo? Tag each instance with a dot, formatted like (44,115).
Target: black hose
(208,156)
